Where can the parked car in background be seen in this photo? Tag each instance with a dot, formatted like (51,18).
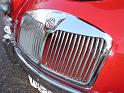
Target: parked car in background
(68,45)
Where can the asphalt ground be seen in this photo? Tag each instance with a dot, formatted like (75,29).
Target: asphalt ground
(13,78)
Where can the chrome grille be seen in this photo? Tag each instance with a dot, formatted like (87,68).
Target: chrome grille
(31,37)
(72,55)
(72,50)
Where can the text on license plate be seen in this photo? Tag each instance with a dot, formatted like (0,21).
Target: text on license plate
(36,85)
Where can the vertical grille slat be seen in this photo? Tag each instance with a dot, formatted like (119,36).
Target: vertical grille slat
(35,40)
(69,58)
(79,54)
(38,40)
(93,55)
(54,54)
(66,52)
(74,57)
(52,49)
(77,46)
(87,56)
(98,56)
(59,50)
(30,39)
(49,49)
(38,44)
(67,37)
(84,52)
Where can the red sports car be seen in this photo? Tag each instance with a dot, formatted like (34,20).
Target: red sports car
(67,45)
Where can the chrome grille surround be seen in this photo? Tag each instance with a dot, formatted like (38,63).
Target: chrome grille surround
(72,34)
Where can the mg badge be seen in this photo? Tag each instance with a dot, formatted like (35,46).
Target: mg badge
(50,23)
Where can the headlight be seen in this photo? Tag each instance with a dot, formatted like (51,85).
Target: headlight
(5,5)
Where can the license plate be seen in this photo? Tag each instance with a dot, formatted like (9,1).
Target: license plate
(36,85)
